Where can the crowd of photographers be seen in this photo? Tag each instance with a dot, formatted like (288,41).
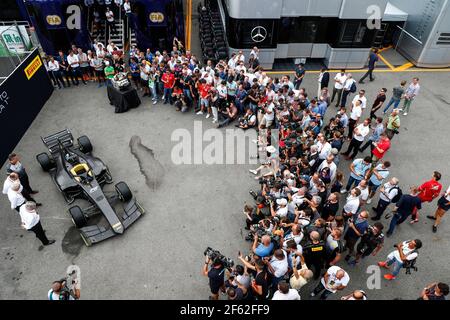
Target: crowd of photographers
(307,222)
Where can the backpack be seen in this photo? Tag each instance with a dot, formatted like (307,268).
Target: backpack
(410,264)
(353,87)
(398,196)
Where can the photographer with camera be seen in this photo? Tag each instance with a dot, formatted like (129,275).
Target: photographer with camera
(264,248)
(435,291)
(64,290)
(215,271)
(371,243)
(404,256)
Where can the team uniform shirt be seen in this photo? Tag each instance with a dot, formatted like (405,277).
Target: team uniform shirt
(8,184)
(15,198)
(363,131)
(429,190)
(170,80)
(53,66)
(334,282)
(29,219)
(73,59)
(384,145)
(363,101)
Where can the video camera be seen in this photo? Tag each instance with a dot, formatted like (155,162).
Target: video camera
(68,286)
(215,255)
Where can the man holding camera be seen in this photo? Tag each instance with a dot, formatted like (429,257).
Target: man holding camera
(405,253)
(371,243)
(215,271)
(263,249)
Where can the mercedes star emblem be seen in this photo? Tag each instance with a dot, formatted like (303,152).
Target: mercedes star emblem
(259,34)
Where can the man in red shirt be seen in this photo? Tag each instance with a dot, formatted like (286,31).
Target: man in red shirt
(427,192)
(168,79)
(380,148)
(204,88)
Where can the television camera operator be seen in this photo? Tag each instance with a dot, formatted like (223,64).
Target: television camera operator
(214,268)
(65,289)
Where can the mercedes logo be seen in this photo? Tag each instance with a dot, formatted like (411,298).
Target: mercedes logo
(259,34)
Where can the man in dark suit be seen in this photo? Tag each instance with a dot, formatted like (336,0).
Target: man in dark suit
(324,79)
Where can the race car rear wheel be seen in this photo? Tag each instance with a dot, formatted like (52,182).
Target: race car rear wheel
(85,144)
(123,191)
(44,160)
(78,218)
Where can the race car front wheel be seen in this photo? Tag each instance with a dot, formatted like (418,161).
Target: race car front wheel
(78,218)
(46,163)
(123,192)
(85,144)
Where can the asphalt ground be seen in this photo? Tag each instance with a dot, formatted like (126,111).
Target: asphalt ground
(191,207)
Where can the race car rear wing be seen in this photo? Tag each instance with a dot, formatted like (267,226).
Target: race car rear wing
(52,141)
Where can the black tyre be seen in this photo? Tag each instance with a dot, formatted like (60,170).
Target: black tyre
(46,163)
(78,218)
(123,191)
(85,144)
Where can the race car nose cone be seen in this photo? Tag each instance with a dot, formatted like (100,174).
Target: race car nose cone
(118,228)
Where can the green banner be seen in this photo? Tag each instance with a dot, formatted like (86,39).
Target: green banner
(14,40)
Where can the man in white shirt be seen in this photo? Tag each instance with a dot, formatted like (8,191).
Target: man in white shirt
(74,62)
(359,134)
(110,20)
(364,188)
(285,293)
(15,197)
(10,181)
(387,192)
(352,204)
(53,67)
(324,147)
(346,90)
(278,266)
(336,279)
(282,210)
(31,222)
(127,7)
(339,81)
(355,114)
(361,96)
(410,95)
